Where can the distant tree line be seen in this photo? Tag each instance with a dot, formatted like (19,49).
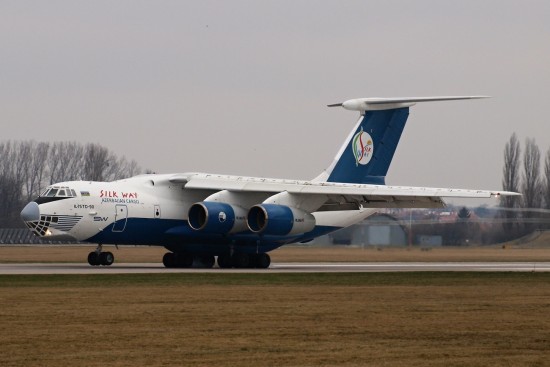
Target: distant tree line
(26,167)
(525,171)
(523,174)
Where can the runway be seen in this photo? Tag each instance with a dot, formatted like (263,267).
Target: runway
(150,268)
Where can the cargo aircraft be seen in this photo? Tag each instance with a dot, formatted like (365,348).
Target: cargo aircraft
(200,218)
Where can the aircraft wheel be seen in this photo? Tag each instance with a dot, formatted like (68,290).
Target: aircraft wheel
(252,261)
(224,261)
(93,258)
(263,261)
(106,258)
(241,260)
(184,260)
(207,261)
(169,260)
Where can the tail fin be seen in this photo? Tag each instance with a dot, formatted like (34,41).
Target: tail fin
(368,151)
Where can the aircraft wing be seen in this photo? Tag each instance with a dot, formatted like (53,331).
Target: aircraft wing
(366,195)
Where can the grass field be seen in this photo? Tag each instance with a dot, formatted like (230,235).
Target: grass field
(11,254)
(356,319)
(363,319)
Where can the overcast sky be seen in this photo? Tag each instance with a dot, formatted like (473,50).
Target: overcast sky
(241,87)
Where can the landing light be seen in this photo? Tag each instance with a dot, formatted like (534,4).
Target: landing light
(48,233)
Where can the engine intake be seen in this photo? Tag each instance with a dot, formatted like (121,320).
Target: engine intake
(279,220)
(215,217)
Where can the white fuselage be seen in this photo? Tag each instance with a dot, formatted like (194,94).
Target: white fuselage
(149,209)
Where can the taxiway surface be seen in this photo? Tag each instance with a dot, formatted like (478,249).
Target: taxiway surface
(144,268)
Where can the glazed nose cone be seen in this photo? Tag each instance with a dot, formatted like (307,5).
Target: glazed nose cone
(30,212)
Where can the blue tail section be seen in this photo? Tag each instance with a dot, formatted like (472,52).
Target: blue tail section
(366,156)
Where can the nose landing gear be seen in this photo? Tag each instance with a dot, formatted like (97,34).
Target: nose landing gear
(97,257)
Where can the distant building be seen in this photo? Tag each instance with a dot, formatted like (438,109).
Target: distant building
(376,230)
(427,240)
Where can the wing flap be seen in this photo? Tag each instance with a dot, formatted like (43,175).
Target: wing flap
(356,202)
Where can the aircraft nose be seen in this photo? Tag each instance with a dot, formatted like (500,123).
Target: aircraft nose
(30,212)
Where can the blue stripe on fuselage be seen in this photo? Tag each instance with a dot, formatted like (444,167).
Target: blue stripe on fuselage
(178,234)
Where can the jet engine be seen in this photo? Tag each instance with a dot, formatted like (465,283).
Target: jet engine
(216,217)
(279,220)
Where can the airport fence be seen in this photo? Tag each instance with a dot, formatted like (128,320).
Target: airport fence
(20,236)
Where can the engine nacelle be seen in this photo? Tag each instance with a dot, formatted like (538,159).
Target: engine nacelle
(279,220)
(215,217)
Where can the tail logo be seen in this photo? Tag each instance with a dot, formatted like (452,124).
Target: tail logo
(362,147)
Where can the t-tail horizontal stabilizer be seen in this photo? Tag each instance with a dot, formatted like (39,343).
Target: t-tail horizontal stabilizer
(368,151)
(376,104)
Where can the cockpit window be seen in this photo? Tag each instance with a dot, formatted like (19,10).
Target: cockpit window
(59,191)
(54,193)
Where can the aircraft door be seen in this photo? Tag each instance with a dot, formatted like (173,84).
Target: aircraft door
(121,217)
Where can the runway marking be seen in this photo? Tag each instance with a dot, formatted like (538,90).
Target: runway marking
(142,268)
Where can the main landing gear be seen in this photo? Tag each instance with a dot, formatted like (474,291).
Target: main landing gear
(242,260)
(96,258)
(237,260)
(178,260)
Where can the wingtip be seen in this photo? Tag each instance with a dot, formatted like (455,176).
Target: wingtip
(498,194)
